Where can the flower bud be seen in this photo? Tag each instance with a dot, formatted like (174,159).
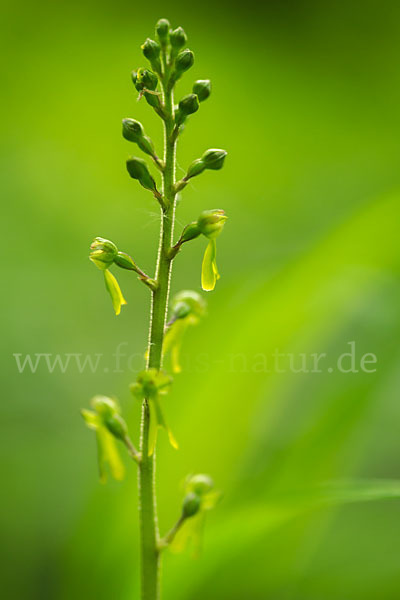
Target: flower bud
(102,253)
(188,302)
(151,50)
(104,406)
(183,62)
(116,426)
(211,222)
(133,131)
(177,38)
(138,169)
(195,168)
(214,159)
(124,261)
(162,31)
(146,79)
(134,75)
(202,87)
(191,505)
(190,232)
(187,106)
(200,484)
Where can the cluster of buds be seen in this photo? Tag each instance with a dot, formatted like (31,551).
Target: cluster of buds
(104,253)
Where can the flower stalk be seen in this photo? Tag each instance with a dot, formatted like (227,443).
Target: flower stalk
(169,60)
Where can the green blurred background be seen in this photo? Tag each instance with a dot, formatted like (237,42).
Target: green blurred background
(306,101)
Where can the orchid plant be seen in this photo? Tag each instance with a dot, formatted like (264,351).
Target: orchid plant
(169,60)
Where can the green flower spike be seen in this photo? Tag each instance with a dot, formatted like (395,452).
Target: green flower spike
(187,309)
(210,224)
(150,385)
(114,290)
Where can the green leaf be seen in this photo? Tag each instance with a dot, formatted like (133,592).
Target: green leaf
(209,270)
(114,290)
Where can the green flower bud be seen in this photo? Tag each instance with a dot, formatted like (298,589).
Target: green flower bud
(134,75)
(190,232)
(202,87)
(177,38)
(183,62)
(211,222)
(133,132)
(146,79)
(138,169)
(191,505)
(116,426)
(151,50)
(124,261)
(188,302)
(195,168)
(200,484)
(162,31)
(104,406)
(187,106)
(214,159)
(102,253)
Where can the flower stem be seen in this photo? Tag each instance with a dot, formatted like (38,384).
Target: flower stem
(150,555)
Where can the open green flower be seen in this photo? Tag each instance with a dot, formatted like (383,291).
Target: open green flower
(107,452)
(187,308)
(151,385)
(102,253)
(210,223)
(200,497)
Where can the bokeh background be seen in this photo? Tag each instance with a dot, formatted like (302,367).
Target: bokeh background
(306,101)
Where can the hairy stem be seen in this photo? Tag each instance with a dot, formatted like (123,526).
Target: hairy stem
(150,556)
